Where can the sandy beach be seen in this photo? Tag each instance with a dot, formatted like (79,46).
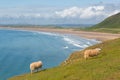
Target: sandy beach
(90,35)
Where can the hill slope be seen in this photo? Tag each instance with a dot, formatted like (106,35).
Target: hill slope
(110,25)
(110,22)
(105,66)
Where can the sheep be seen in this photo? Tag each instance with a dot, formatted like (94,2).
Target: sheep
(91,52)
(35,65)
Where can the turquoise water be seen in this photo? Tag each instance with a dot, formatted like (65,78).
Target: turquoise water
(19,48)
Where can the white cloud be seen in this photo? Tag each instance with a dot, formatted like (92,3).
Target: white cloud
(32,15)
(24,15)
(71,12)
(98,8)
(114,12)
(27,12)
(86,13)
(75,14)
(81,12)
(92,12)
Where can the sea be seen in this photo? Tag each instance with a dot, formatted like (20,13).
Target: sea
(19,48)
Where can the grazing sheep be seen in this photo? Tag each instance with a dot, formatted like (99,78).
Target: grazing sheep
(35,65)
(91,52)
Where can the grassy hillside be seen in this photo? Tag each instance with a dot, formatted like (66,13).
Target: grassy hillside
(105,66)
(110,24)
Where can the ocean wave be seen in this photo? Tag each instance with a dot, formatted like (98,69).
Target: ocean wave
(66,38)
(37,32)
(65,47)
(80,43)
(71,41)
(48,33)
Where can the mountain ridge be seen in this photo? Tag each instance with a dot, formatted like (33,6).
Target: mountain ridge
(110,22)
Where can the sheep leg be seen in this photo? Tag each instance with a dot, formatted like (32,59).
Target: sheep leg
(86,56)
(37,70)
(31,71)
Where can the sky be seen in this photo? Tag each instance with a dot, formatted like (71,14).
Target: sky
(57,11)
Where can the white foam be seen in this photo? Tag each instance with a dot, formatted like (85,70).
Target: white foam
(65,47)
(66,38)
(71,41)
(39,32)
(80,43)
(48,33)
(85,46)
(88,43)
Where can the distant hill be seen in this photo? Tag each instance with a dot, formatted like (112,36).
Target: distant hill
(49,25)
(109,25)
(110,22)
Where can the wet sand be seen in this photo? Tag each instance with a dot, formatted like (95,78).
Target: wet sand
(91,35)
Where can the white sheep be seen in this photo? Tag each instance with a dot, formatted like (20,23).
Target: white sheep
(35,65)
(91,52)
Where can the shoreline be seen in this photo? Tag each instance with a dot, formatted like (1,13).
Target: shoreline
(77,61)
(85,34)
(89,35)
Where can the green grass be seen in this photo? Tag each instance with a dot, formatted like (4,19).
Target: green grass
(106,30)
(110,22)
(105,66)
(109,25)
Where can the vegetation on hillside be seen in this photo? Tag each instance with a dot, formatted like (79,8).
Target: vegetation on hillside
(104,30)
(105,66)
(110,24)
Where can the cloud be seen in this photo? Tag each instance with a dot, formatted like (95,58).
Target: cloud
(72,12)
(114,12)
(27,12)
(81,12)
(86,13)
(92,12)
(55,15)
(21,15)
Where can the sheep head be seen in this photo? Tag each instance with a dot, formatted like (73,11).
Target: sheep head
(98,49)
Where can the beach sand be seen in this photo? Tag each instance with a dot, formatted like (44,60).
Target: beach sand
(90,35)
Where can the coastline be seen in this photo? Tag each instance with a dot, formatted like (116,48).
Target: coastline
(90,35)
